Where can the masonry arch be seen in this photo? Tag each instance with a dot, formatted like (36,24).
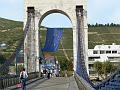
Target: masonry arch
(52,12)
(61,54)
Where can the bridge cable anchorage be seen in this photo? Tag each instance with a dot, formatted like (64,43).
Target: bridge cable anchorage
(4,67)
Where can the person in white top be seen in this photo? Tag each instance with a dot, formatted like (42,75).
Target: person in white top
(23,77)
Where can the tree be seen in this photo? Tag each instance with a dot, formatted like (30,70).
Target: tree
(64,64)
(107,68)
(70,66)
(2,59)
(19,68)
(103,68)
(98,68)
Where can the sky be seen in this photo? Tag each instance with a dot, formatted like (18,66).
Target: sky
(104,11)
(12,9)
(99,11)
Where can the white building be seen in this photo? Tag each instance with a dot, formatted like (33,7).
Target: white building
(102,53)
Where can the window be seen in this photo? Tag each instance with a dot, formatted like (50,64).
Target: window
(90,66)
(93,58)
(109,47)
(114,51)
(107,52)
(118,51)
(102,52)
(95,52)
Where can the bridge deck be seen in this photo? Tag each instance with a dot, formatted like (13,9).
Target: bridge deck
(56,83)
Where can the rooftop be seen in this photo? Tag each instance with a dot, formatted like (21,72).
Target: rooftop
(107,47)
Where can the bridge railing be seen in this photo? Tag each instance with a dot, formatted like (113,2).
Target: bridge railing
(8,81)
(82,84)
(102,84)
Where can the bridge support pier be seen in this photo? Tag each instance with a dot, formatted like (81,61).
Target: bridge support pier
(31,45)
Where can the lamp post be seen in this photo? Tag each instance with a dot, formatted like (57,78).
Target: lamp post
(16,64)
(40,62)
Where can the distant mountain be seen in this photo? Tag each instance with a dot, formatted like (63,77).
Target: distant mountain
(6,24)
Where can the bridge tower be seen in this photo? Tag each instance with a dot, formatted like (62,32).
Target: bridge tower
(75,10)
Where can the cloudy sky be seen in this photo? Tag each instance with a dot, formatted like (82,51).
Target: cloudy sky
(100,11)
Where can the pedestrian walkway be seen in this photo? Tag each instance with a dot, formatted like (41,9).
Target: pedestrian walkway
(55,83)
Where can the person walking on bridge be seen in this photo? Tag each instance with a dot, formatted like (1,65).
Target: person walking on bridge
(23,77)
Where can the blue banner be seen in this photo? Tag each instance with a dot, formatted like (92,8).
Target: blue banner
(53,37)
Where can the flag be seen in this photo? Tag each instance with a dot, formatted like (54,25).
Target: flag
(53,38)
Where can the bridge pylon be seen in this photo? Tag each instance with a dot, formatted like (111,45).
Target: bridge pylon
(68,8)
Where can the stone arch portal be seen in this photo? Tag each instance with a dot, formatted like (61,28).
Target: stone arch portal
(51,12)
(75,10)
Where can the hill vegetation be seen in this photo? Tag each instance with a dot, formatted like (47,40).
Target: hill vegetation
(103,35)
(12,31)
(6,24)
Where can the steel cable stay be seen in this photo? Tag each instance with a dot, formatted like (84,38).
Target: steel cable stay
(4,67)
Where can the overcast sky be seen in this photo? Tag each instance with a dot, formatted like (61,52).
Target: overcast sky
(100,11)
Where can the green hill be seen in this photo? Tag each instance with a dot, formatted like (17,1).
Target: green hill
(6,24)
(103,35)
(10,34)
(12,31)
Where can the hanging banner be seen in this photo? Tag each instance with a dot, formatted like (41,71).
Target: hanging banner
(53,37)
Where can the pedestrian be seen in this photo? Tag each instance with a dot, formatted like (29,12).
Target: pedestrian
(48,76)
(44,73)
(65,73)
(23,77)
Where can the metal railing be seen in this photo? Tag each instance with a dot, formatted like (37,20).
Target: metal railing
(82,84)
(107,80)
(8,81)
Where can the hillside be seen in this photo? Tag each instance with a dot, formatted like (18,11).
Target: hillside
(12,31)
(10,34)
(6,24)
(103,35)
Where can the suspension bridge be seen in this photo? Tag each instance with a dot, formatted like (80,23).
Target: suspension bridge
(35,12)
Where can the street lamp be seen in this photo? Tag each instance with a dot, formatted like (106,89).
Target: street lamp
(40,60)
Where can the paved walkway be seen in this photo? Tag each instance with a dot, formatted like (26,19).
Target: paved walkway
(56,83)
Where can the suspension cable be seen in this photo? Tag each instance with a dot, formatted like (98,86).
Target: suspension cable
(7,63)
